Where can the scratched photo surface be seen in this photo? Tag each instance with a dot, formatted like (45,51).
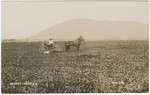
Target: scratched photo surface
(75,47)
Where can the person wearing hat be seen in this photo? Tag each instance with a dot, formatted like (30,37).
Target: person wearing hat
(50,43)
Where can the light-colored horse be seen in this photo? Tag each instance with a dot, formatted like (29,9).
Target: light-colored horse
(46,49)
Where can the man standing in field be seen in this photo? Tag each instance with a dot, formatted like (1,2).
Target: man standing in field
(50,43)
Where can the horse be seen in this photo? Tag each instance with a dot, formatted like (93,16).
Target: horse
(75,43)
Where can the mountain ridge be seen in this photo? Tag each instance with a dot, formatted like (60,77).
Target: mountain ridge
(94,30)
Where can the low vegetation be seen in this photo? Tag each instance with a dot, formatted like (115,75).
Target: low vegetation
(99,67)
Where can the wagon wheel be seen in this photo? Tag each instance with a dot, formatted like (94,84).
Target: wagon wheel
(42,49)
(56,48)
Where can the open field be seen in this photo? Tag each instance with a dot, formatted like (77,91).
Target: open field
(99,67)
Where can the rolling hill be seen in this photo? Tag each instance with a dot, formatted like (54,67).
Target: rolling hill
(94,30)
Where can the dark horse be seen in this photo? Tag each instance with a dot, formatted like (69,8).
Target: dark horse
(75,43)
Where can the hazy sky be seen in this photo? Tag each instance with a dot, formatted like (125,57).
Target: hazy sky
(23,19)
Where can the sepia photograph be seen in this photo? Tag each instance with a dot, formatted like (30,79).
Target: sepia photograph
(74,46)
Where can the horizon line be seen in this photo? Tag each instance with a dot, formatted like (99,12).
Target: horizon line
(106,20)
(73,39)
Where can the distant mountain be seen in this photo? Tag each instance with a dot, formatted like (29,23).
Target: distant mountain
(95,30)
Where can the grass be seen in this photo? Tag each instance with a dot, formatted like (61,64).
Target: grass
(99,67)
